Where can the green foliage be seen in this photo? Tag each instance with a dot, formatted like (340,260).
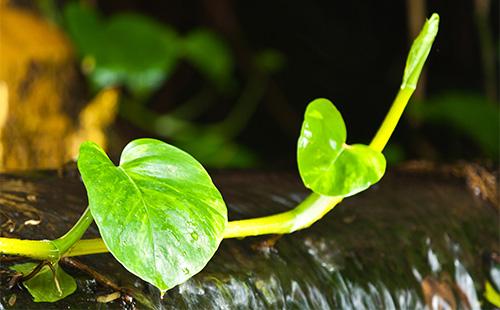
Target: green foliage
(415,61)
(269,60)
(327,165)
(43,286)
(210,55)
(218,152)
(127,49)
(158,212)
(140,53)
(211,146)
(394,153)
(468,114)
(419,51)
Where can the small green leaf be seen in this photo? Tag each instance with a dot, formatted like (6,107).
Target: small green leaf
(327,165)
(43,286)
(419,51)
(158,212)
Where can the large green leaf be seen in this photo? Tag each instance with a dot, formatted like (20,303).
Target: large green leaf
(158,212)
(327,165)
(43,286)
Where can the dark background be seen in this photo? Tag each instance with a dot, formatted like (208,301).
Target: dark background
(351,52)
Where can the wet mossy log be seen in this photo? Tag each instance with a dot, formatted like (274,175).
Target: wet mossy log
(413,240)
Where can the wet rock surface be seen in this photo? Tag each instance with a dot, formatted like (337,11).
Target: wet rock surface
(413,240)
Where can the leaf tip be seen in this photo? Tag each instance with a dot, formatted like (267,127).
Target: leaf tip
(434,18)
(162,293)
(433,24)
(419,52)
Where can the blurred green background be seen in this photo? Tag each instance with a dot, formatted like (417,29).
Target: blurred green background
(228,81)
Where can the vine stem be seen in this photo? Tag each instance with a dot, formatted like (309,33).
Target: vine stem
(312,209)
(315,206)
(51,250)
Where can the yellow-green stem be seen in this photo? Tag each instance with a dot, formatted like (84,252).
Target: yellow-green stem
(37,249)
(391,119)
(65,242)
(315,206)
(47,249)
(312,209)
(87,247)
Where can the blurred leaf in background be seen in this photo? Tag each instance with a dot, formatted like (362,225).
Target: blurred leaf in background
(467,114)
(127,49)
(218,151)
(394,153)
(140,54)
(270,61)
(210,55)
(136,51)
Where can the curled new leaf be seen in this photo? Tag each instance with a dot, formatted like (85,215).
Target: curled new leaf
(419,51)
(329,166)
(158,212)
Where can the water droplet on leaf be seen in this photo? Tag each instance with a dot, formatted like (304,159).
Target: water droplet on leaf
(194,235)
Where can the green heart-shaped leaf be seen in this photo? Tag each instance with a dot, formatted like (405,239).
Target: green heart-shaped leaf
(327,165)
(43,286)
(158,212)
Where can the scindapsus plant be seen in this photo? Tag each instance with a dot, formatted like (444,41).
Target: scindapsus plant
(162,218)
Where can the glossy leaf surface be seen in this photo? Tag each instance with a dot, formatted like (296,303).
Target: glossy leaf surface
(329,166)
(43,286)
(158,212)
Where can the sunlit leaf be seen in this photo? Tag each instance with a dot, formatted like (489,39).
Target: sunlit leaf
(158,212)
(327,165)
(43,286)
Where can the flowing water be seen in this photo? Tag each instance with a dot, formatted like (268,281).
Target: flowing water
(412,241)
